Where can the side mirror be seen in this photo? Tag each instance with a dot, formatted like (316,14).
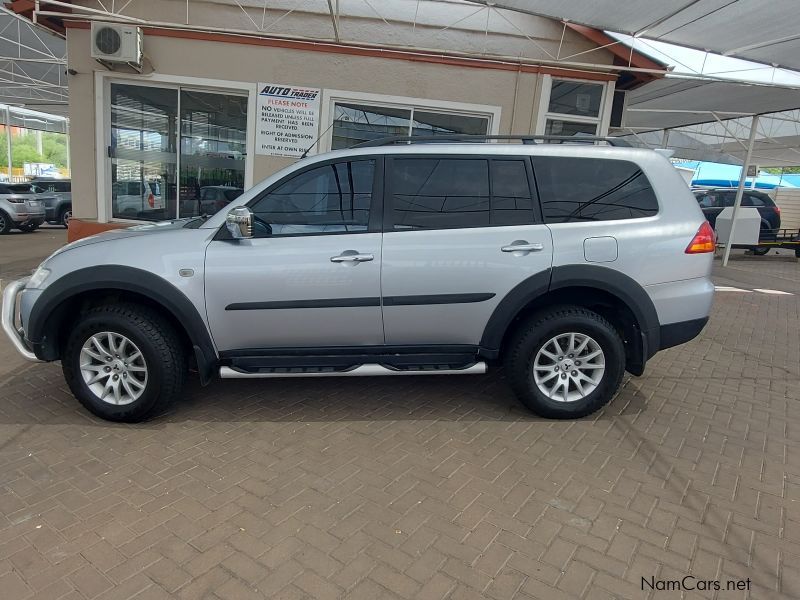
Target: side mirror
(239,222)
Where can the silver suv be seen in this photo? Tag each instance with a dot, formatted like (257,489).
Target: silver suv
(567,263)
(21,207)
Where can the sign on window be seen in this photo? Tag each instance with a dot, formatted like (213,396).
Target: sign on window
(287,122)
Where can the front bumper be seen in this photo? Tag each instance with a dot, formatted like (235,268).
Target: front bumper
(8,319)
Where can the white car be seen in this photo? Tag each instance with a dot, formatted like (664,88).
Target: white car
(133,199)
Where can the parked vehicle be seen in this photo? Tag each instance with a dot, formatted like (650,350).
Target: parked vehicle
(133,199)
(568,263)
(21,207)
(58,202)
(714,200)
(210,200)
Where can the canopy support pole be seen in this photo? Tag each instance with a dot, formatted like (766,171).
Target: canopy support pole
(8,141)
(740,189)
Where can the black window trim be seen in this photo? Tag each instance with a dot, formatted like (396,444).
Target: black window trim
(375,207)
(388,213)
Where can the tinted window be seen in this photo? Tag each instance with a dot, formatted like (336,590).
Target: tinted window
(511,193)
(440,193)
(706,200)
(754,200)
(333,198)
(589,189)
(20,188)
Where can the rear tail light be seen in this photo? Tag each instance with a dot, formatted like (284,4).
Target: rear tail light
(151,200)
(777,210)
(703,241)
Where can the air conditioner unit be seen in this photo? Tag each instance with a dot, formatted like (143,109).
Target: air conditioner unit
(115,43)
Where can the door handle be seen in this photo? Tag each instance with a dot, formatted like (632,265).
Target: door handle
(351,256)
(522,246)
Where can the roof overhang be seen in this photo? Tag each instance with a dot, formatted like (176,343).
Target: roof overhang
(764,31)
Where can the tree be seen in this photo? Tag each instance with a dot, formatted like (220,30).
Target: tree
(784,170)
(23,149)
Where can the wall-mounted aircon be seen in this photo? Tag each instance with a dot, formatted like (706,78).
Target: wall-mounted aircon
(115,43)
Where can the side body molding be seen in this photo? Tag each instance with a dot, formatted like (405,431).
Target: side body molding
(49,309)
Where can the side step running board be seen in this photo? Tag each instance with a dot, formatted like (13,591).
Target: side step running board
(359,371)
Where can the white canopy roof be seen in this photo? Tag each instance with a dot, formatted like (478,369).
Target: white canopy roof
(32,65)
(760,30)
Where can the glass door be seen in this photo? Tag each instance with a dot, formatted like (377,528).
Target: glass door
(175,152)
(143,152)
(213,151)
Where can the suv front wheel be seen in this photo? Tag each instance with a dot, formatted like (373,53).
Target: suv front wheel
(565,363)
(124,362)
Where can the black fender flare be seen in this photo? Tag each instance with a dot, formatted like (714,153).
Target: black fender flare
(626,289)
(623,287)
(39,328)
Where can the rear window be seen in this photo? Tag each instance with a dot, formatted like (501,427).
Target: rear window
(591,189)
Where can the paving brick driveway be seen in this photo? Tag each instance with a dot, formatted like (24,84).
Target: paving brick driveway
(438,487)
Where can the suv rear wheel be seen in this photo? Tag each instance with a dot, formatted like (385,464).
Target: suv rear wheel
(64,216)
(5,223)
(124,362)
(566,362)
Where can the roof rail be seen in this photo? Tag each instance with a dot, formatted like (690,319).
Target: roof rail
(525,139)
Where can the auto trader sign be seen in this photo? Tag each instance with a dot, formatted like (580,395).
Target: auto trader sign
(287,119)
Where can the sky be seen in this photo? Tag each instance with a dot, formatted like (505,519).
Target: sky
(697,62)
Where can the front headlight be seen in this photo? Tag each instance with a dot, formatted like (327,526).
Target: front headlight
(38,277)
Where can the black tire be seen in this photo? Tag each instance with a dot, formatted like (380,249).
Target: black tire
(761,250)
(536,332)
(5,223)
(161,350)
(64,216)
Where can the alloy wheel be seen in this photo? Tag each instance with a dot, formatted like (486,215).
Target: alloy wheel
(569,367)
(113,368)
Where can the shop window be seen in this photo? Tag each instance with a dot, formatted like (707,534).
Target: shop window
(574,108)
(169,145)
(575,98)
(357,123)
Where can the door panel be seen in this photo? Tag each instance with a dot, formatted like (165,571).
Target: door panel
(460,233)
(461,267)
(312,274)
(286,292)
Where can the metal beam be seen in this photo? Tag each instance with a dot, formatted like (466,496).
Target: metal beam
(740,190)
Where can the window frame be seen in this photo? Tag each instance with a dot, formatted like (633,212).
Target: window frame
(102,132)
(388,211)
(376,201)
(601,121)
(331,97)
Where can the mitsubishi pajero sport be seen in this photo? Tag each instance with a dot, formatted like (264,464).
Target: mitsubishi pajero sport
(568,263)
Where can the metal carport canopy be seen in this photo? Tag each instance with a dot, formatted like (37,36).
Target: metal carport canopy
(710,119)
(766,31)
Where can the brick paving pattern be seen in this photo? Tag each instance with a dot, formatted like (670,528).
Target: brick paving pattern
(424,488)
